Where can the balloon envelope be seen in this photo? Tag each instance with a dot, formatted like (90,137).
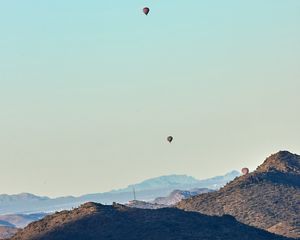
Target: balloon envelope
(146,10)
(170,139)
(245,171)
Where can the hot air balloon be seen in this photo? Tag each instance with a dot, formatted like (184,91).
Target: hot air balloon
(245,171)
(170,139)
(146,10)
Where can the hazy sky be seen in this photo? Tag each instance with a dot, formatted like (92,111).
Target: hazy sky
(89,90)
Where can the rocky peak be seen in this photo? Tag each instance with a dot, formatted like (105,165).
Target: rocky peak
(282,161)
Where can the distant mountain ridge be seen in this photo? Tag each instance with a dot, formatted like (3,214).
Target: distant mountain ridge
(178,195)
(4,223)
(20,220)
(147,190)
(10,224)
(268,198)
(168,201)
(8,199)
(163,182)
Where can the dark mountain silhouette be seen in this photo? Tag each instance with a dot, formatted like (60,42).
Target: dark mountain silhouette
(268,198)
(95,222)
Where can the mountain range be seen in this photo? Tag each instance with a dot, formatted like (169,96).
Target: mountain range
(147,190)
(20,220)
(261,205)
(268,198)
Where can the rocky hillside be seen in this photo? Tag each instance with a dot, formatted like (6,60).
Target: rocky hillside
(96,222)
(7,232)
(178,195)
(268,198)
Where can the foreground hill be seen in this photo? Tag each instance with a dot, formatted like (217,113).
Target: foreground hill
(95,222)
(268,198)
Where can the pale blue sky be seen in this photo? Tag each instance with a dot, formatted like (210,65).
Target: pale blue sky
(89,90)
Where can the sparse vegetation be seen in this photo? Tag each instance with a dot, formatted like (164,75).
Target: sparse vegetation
(95,222)
(267,198)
